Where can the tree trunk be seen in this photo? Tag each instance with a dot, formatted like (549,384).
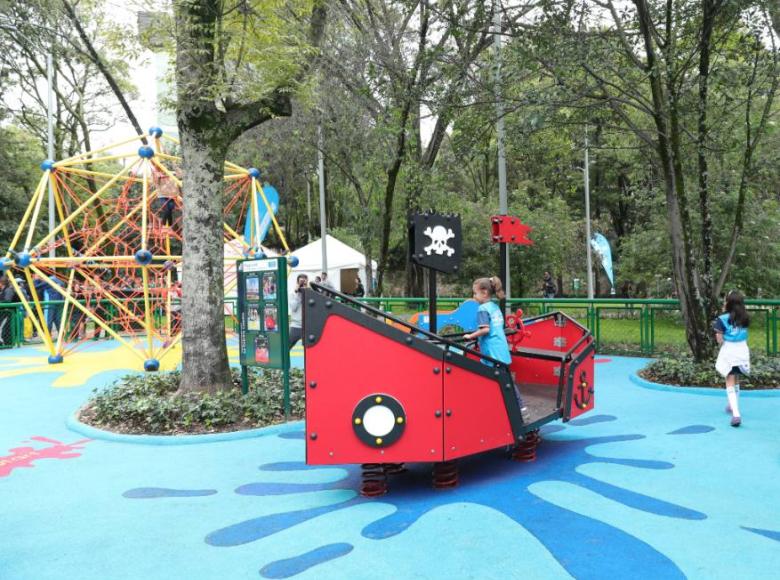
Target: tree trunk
(205,361)
(668,131)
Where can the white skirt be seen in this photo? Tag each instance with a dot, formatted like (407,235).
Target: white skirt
(733,354)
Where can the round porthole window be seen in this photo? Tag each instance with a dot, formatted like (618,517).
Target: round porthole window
(378,420)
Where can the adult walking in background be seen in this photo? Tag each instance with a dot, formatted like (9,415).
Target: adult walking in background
(548,286)
(295,307)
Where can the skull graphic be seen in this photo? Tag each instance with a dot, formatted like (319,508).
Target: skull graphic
(439,236)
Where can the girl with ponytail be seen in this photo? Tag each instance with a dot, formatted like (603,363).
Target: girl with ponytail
(490,327)
(734,355)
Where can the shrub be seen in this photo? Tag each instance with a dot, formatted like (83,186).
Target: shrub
(149,403)
(682,370)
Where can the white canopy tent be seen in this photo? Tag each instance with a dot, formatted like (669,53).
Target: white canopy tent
(344,264)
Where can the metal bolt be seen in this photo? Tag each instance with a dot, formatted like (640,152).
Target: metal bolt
(448,355)
(436,370)
(313,436)
(437,413)
(496,373)
(313,384)
(448,370)
(408,340)
(449,413)
(507,386)
(312,338)
(433,451)
(328,304)
(311,302)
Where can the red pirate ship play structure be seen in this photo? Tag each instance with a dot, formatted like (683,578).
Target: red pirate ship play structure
(382,394)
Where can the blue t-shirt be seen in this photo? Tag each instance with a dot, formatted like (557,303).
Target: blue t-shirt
(494,343)
(730,332)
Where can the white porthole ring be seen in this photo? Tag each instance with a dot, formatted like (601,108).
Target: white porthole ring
(379,420)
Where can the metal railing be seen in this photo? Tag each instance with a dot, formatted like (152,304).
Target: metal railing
(631,326)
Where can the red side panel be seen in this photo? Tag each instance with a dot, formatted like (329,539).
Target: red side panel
(475,417)
(349,363)
(582,396)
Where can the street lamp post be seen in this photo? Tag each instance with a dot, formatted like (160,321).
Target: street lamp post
(586,172)
(50,138)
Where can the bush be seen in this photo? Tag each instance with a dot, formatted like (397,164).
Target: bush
(682,370)
(149,403)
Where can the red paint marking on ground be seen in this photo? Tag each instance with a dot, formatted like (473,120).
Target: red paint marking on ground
(603,360)
(25,456)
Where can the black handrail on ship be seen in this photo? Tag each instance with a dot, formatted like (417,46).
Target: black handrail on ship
(430,335)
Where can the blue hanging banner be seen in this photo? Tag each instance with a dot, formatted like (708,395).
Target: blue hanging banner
(600,245)
(265,219)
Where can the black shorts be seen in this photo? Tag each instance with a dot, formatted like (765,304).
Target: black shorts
(735,372)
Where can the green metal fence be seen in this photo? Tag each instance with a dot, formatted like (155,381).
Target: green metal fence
(639,326)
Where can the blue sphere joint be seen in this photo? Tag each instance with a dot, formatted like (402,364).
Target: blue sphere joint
(294,261)
(254,172)
(23,259)
(151,365)
(145,152)
(5,264)
(143,257)
(55,359)
(155,132)
(47,165)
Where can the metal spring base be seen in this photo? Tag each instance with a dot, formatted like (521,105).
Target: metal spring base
(374,480)
(394,468)
(526,449)
(445,474)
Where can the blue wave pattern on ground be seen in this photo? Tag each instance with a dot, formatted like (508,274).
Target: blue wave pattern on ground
(692,430)
(292,566)
(490,480)
(766,533)
(156,492)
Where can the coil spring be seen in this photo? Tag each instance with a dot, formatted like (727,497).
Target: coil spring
(394,468)
(445,474)
(526,449)
(373,480)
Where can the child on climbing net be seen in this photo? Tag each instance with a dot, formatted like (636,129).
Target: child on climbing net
(490,327)
(734,356)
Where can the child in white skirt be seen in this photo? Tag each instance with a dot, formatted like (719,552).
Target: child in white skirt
(734,356)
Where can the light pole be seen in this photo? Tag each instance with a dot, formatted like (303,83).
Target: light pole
(502,196)
(50,138)
(321,172)
(586,172)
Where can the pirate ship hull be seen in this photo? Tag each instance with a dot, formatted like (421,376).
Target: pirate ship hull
(379,393)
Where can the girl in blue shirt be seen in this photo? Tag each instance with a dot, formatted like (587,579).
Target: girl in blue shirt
(734,355)
(490,327)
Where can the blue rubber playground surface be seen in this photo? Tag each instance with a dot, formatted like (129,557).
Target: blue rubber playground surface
(653,484)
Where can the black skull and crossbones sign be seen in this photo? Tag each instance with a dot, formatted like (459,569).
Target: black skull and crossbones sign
(435,241)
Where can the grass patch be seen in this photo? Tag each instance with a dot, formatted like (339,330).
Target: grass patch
(150,404)
(683,371)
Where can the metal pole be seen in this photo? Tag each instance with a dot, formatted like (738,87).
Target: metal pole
(321,173)
(502,196)
(50,136)
(587,219)
(308,209)
(432,326)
